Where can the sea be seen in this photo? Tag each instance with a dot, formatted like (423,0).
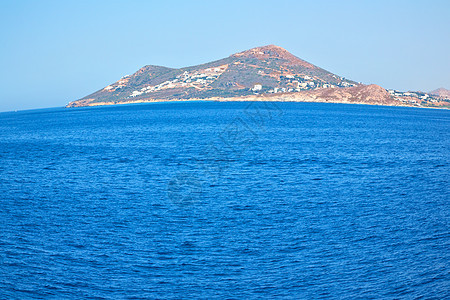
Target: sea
(225,200)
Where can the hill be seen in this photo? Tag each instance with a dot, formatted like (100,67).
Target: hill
(361,94)
(270,71)
(441,92)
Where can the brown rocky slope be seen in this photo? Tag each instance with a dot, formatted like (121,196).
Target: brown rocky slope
(268,73)
(271,68)
(362,94)
(441,92)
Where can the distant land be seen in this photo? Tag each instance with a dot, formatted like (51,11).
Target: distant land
(441,92)
(268,73)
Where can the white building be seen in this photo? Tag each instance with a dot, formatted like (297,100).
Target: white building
(257,87)
(303,84)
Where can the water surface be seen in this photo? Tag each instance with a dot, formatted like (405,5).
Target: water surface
(225,200)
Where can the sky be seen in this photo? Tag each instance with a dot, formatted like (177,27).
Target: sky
(53,52)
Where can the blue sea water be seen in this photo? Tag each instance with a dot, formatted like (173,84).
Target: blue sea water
(204,200)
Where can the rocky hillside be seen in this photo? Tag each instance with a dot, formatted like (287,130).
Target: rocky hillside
(361,94)
(269,70)
(441,92)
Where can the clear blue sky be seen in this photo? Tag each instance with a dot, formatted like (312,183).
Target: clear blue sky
(53,52)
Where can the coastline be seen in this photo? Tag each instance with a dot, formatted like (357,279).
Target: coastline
(252,98)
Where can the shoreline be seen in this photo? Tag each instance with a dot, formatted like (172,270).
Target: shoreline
(245,99)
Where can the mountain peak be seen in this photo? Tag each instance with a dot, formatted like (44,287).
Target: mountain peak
(274,52)
(273,48)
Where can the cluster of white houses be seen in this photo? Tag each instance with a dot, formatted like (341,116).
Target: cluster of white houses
(196,79)
(290,83)
(297,83)
(412,97)
(122,82)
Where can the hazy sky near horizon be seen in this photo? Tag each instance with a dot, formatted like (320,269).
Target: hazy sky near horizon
(53,52)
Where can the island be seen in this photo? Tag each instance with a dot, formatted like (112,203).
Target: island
(268,73)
